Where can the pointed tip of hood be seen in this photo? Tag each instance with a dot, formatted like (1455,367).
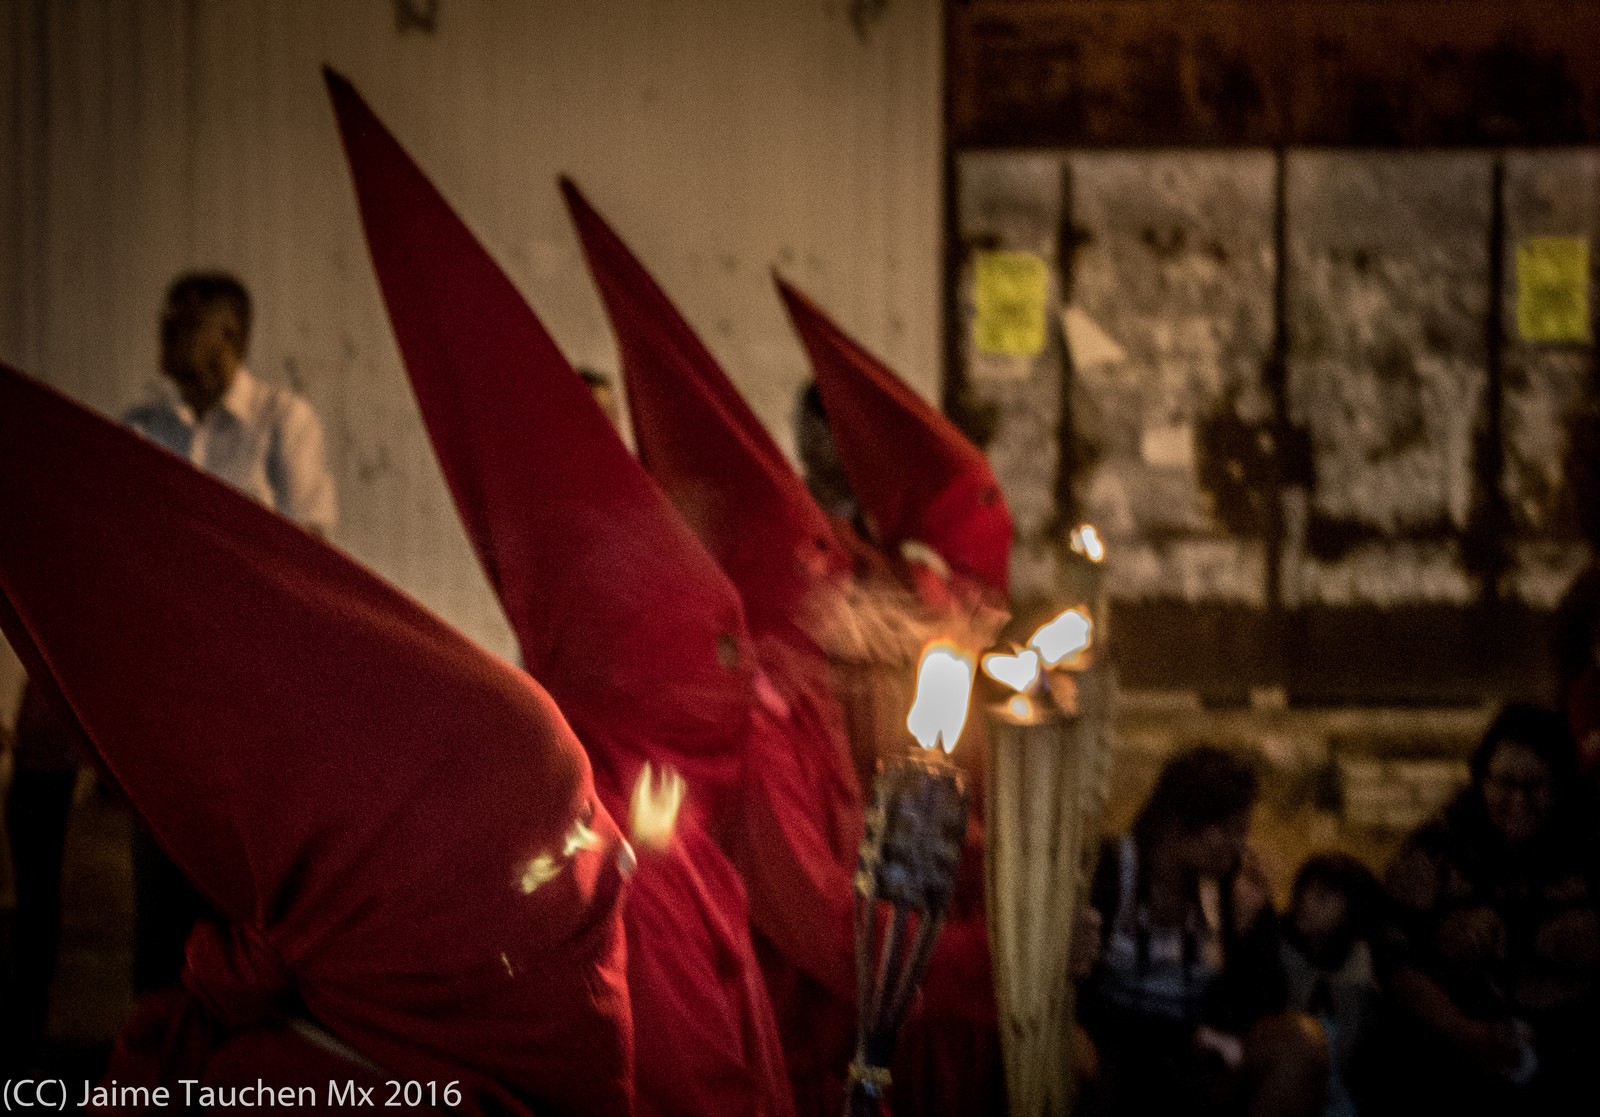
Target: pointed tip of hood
(703,444)
(912,470)
(582,548)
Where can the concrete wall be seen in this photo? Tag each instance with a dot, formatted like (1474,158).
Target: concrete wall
(722,137)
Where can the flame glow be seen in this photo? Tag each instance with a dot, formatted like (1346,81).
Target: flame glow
(541,870)
(1066,636)
(546,867)
(1087,542)
(580,837)
(653,811)
(1019,672)
(944,685)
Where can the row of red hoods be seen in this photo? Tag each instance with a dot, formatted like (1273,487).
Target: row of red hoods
(410,844)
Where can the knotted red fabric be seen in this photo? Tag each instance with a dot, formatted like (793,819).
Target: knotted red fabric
(917,477)
(802,816)
(617,609)
(357,788)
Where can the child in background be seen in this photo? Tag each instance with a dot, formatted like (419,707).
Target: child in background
(1327,961)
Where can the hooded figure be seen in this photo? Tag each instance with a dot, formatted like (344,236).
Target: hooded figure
(923,487)
(919,479)
(359,791)
(801,820)
(617,610)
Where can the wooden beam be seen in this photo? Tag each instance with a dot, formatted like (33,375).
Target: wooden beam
(1115,73)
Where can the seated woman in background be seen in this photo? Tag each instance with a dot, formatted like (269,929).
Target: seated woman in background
(1494,945)
(1327,962)
(1184,1001)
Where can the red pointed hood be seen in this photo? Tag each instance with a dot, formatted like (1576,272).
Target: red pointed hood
(358,788)
(618,608)
(915,474)
(619,611)
(703,444)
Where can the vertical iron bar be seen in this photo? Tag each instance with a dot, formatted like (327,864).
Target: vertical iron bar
(889,966)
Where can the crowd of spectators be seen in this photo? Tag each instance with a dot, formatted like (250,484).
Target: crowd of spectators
(1461,981)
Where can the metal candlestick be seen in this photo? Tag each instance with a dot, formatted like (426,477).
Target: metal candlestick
(915,832)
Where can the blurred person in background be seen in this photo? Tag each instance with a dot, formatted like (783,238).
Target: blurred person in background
(1185,1000)
(1492,951)
(265,441)
(1327,957)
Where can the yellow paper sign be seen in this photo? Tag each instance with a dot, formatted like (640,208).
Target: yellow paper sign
(1010,294)
(1553,289)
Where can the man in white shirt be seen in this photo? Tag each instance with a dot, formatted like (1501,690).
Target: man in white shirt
(265,441)
(262,439)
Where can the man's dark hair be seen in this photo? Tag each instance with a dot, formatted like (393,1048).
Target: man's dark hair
(1196,788)
(195,292)
(594,378)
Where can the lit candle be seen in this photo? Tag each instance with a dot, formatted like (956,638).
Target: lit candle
(915,833)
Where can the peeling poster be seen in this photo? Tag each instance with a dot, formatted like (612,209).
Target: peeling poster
(1553,289)
(1010,293)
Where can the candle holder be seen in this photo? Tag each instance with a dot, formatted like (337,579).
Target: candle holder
(1048,765)
(915,833)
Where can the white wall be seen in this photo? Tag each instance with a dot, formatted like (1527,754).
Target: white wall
(720,136)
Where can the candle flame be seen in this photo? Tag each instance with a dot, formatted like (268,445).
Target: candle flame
(944,685)
(1019,672)
(1066,636)
(1087,542)
(653,811)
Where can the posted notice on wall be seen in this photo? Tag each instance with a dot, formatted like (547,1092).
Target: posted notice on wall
(1553,289)
(1011,291)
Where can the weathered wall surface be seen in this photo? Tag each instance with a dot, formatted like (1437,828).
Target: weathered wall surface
(1173,443)
(722,138)
(1175,265)
(1388,293)
(1549,193)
